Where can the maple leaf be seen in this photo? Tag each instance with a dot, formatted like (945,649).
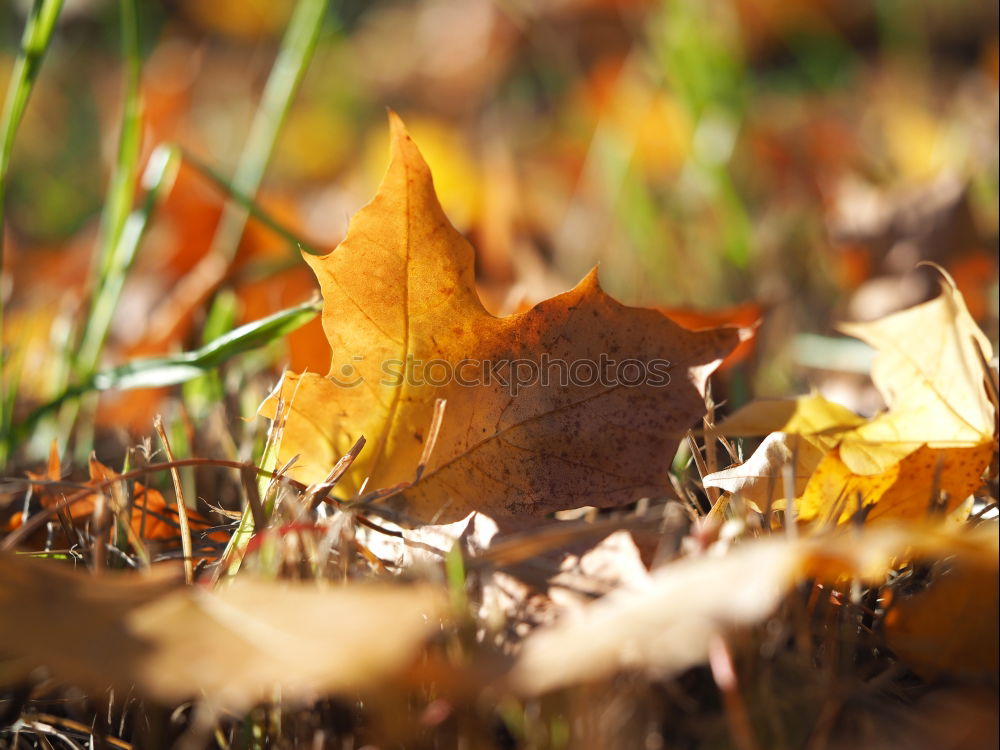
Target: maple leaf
(929,373)
(938,432)
(406,327)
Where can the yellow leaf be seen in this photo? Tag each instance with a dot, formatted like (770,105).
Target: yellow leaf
(937,434)
(822,422)
(929,373)
(542,412)
(904,491)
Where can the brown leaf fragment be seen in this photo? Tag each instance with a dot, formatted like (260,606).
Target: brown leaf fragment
(152,518)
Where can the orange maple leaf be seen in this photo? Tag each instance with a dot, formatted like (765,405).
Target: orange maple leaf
(578,401)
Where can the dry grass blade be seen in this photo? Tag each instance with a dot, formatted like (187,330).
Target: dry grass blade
(703,471)
(182,516)
(316,493)
(40,719)
(432,437)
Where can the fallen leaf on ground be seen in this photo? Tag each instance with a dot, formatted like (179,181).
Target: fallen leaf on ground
(747,316)
(935,439)
(406,327)
(928,370)
(907,490)
(231,647)
(813,417)
(152,517)
(666,626)
(759,479)
(949,628)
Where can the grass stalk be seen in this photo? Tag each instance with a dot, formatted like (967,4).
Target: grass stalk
(248,204)
(35,40)
(282,85)
(182,517)
(157,372)
(158,175)
(115,257)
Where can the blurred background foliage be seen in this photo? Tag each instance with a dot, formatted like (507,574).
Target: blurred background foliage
(789,158)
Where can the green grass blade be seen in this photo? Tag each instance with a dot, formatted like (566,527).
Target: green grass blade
(158,176)
(159,172)
(282,84)
(232,557)
(179,368)
(250,206)
(34,43)
(205,392)
(114,256)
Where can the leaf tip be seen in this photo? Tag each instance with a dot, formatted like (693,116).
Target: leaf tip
(946,279)
(404,154)
(399,136)
(396,126)
(591,282)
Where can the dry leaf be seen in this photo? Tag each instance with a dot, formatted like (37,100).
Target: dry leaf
(813,417)
(929,373)
(937,435)
(747,316)
(904,491)
(428,545)
(232,647)
(666,627)
(613,563)
(951,627)
(406,327)
(152,517)
(759,479)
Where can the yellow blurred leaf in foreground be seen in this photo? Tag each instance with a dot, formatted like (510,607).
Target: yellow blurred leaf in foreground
(951,626)
(665,627)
